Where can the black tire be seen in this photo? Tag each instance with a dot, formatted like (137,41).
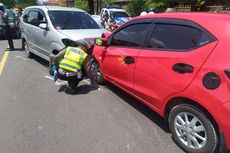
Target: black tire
(202,127)
(96,72)
(27,49)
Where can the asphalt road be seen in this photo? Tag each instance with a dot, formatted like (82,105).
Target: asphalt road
(37,116)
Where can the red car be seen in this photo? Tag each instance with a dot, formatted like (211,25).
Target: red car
(178,64)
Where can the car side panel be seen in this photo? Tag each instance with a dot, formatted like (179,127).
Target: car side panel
(155,79)
(115,68)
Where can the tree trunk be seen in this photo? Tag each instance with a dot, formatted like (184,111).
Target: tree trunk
(91,6)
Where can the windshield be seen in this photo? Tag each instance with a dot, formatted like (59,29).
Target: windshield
(120,14)
(11,16)
(72,20)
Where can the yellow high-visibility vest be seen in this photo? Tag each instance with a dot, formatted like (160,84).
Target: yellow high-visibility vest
(73,59)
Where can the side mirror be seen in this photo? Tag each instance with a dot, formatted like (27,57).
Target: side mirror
(101,41)
(43,26)
(106,34)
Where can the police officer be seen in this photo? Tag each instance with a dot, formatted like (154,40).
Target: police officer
(6,27)
(73,64)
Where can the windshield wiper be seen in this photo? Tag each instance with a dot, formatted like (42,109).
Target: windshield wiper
(66,22)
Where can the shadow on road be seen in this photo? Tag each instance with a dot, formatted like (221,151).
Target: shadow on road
(153,116)
(81,89)
(41,61)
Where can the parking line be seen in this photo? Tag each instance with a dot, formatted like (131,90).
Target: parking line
(3,61)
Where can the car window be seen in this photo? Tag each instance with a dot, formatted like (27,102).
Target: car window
(133,35)
(120,14)
(72,20)
(32,17)
(25,15)
(41,17)
(177,37)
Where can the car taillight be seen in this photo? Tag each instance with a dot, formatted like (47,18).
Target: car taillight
(227,72)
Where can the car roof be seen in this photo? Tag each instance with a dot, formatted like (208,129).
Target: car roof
(216,23)
(56,8)
(117,10)
(114,9)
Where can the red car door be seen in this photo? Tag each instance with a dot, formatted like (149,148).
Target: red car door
(170,60)
(120,57)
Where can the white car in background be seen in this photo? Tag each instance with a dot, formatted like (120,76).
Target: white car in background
(117,13)
(45,30)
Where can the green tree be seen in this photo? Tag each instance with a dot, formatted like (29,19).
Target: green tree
(135,7)
(8,3)
(156,5)
(82,4)
(86,5)
(108,2)
(25,3)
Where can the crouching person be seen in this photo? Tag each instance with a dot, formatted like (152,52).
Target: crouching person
(73,63)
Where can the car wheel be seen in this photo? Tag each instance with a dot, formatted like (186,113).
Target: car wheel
(96,72)
(192,130)
(27,49)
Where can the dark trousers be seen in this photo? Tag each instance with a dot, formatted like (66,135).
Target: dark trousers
(8,35)
(73,81)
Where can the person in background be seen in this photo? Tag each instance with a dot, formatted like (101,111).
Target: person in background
(73,64)
(6,26)
(105,18)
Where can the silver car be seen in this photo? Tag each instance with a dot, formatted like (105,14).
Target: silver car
(45,30)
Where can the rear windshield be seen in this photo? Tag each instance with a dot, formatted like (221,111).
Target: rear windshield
(120,14)
(72,20)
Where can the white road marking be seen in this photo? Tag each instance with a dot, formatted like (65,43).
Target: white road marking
(14,97)
(23,58)
(128,146)
(40,127)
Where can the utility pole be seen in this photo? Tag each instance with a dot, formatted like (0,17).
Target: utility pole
(91,6)
(100,6)
(97,3)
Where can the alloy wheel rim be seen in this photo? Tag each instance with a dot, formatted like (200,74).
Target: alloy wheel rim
(95,70)
(190,130)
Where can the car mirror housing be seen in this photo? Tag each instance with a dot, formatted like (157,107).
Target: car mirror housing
(106,34)
(43,26)
(101,41)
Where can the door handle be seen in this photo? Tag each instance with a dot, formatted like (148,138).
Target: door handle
(129,60)
(182,68)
